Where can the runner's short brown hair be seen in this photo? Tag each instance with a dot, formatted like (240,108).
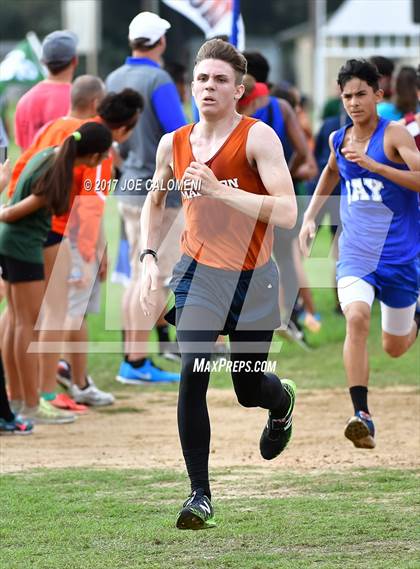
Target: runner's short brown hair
(219,49)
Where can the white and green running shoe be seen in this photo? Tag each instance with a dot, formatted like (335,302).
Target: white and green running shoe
(197,512)
(47,414)
(278,432)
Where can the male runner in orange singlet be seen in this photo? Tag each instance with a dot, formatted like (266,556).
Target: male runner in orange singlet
(234,182)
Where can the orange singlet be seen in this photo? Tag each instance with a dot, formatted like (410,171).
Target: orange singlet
(215,234)
(86,213)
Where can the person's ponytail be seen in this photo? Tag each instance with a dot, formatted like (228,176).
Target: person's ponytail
(55,184)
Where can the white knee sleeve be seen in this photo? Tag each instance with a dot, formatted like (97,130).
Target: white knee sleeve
(397,321)
(353,289)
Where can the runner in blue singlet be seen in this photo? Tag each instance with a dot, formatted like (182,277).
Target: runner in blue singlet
(378,165)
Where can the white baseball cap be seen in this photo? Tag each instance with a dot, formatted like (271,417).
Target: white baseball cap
(147,25)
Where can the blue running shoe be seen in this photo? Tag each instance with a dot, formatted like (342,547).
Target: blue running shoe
(147,374)
(360,430)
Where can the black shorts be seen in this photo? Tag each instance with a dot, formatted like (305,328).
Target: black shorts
(53,238)
(16,271)
(246,300)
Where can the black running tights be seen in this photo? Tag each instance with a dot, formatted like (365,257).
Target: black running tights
(252,388)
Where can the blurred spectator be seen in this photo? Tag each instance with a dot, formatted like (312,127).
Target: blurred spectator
(49,99)
(256,96)
(9,422)
(162,113)
(279,114)
(405,97)
(331,108)
(299,103)
(4,140)
(412,119)
(386,67)
(281,90)
(406,91)
(178,72)
(301,109)
(257,66)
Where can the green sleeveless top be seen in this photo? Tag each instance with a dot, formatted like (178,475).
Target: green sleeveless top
(24,239)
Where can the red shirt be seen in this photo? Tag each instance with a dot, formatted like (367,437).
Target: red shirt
(43,103)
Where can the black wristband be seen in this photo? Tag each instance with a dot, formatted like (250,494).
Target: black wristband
(148,252)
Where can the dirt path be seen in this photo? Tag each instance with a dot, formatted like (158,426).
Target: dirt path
(140,432)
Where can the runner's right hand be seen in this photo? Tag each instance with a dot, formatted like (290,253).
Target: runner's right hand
(149,284)
(306,233)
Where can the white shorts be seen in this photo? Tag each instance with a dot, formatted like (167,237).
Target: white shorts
(395,321)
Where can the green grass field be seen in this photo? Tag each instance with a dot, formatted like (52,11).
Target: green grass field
(107,519)
(96,519)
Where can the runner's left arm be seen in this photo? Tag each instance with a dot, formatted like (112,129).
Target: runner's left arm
(403,143)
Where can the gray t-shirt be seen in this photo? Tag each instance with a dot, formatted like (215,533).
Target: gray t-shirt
(162,113)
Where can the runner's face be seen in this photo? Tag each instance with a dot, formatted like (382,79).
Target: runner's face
(214,87)
(360,100)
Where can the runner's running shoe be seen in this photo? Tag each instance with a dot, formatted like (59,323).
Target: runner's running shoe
(63,374)
(197,512)
(91,395)
(46,414)
(19,426)
(148,373)
(64,401)
(277,433)
(360,430)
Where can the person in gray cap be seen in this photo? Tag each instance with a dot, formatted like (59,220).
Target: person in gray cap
(162,114)
(49,99)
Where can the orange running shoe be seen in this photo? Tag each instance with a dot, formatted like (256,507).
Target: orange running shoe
(63,401)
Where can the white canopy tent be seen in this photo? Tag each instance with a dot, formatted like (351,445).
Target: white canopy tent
(362,28)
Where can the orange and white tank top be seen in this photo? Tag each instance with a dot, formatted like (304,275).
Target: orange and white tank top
(215,234)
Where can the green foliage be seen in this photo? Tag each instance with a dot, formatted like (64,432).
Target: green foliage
(18,17)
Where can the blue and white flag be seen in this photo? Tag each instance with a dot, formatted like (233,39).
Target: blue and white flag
(214,17)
